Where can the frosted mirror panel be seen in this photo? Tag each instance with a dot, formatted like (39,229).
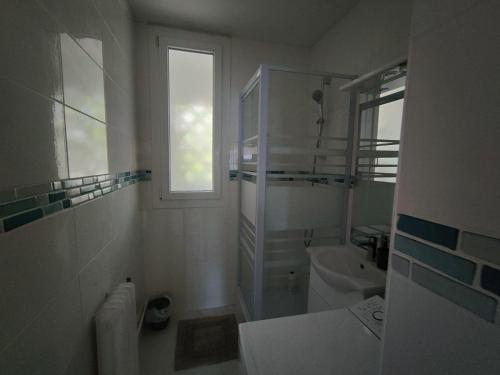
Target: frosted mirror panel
(87,145)
(83,80)
(191,86)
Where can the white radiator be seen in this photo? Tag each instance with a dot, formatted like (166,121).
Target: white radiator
(117,348)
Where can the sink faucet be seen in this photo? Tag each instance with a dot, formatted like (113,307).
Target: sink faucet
(371,247)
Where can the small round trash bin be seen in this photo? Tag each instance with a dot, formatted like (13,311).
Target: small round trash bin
(158,313)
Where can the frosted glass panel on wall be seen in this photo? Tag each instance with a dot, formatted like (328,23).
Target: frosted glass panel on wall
(87,144)
(83,80)
(191,86)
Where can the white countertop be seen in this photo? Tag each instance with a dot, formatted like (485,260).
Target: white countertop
(330,342)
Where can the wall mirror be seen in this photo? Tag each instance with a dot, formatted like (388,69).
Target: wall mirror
(375,154)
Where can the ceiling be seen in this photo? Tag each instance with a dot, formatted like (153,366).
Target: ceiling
(295,22)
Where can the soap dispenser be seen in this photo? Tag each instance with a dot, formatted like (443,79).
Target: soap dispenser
(383,253)
(372,248)
(292,283)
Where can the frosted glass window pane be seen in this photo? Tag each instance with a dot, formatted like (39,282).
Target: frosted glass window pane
(191,76)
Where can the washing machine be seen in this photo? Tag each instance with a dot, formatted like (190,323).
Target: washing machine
(337,342)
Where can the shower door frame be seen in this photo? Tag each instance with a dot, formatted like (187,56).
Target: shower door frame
(260,77)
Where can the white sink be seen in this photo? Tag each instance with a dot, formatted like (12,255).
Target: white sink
(346,269)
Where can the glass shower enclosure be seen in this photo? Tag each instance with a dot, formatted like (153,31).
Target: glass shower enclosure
(294,152)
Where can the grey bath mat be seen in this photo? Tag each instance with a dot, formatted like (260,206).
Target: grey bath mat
(206,341)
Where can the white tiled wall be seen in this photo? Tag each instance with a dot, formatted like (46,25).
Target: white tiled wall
(427,334)
(77,254)
(66,72)
(450,146)
(372,34)
(74,53)
(448,175)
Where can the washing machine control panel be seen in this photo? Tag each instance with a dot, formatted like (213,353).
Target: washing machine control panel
(371,313)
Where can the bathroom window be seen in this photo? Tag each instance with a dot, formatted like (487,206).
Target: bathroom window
(190,119)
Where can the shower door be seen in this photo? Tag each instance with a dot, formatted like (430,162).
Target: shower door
(305,184)
(293,162)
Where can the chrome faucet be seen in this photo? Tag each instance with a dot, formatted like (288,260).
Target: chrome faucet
(371,247)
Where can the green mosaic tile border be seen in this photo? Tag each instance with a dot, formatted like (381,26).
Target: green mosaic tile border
(23,205)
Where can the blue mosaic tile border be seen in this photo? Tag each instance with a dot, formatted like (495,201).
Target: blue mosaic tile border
(457,265)
(433,232)
(274,175)
(479,303)
(24,205)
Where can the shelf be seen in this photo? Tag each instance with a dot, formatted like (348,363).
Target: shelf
(373,143)
(302,137)
(248,173)
(375,77)
(373,229)
(305,151)
(377,154)
(301,175)
(248,140)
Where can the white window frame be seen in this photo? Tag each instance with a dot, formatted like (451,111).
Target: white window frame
(161,40)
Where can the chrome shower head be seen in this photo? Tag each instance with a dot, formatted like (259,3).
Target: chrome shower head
(317,96)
